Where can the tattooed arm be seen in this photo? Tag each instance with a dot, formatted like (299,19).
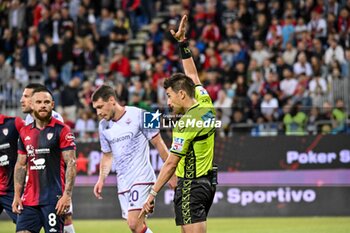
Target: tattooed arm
(19,179)
(65,201)
(105,168)
(71,171)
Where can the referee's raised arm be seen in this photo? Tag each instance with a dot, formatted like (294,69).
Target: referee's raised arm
(186,56)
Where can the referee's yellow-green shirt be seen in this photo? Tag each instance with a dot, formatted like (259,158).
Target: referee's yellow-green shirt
(193,137)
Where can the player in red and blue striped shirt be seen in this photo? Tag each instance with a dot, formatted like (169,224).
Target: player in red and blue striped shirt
(46,147)
(9,133)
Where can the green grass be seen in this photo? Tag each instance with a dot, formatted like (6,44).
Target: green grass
(218,225)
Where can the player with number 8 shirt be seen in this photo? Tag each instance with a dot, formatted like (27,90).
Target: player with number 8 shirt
(47,149)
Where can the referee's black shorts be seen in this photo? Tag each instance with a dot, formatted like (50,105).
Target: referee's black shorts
(193,199)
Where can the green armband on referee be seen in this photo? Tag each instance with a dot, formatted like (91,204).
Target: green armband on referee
(185,50)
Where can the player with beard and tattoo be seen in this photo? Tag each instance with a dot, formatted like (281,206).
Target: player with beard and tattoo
(25,104)
(46,149)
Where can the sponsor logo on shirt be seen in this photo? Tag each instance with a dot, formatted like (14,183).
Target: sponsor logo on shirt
(27,138)
(202,91)
(30,150)
(70,137)
(39,164)
(178,144)
(126,136)
(42,151)
(5,131)
(4,161)
(5,146)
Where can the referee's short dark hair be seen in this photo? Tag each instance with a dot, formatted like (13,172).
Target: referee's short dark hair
(180,81)
(34,86)
(103,92)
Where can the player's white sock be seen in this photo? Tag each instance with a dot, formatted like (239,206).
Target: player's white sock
(69,229)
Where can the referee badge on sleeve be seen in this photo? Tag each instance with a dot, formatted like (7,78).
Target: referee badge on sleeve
(177,144)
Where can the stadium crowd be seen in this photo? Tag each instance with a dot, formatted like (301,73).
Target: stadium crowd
(276,66)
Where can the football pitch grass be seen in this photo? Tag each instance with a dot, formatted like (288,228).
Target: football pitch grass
(218,225)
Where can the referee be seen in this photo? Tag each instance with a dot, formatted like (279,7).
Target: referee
(192,150)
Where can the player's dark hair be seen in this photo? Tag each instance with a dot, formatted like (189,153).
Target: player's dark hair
(42,88)
(34,86)
(180,81)
(104,92)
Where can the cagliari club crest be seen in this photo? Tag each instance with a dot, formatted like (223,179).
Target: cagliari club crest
(5,131)
(49,136)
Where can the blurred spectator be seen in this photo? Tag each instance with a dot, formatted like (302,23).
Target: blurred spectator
(302,65)
(85,126)
(90,55)
(70,98)
(85,94)
(289,54)
(5,70)
(288,85)
(120,64)
(211,32)
(104,27)
(44,26)
(67,121)
(230,12)
(82,25)
(318,90)
(301,93)
(117,37)
(56,25)
(295,121)
(150,95)
(54,84)
(269,107)
(326,117)
(51,53)
(287,31)
(240,88)
(271,85)
(31,56)
(318,26)
(213,86)
(7,43)
(317,49)
(224,103)
(336,84)
(300,28)
(314,117)
(238,123)
(122,93)
(136,100)
(338,117)
(16,15)
(252,108)
(67,56)
(21,74)
(260,53)
(335,52)
(344,25)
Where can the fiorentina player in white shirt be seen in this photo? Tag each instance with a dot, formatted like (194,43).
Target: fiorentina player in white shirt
(25,105)
(124,142)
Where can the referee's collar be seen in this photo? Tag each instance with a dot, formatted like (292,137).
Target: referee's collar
(192,107)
